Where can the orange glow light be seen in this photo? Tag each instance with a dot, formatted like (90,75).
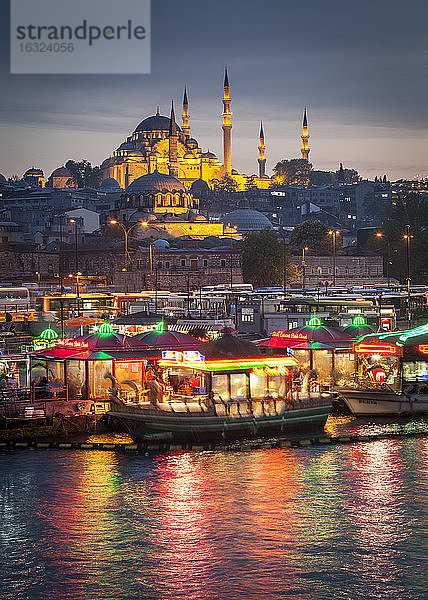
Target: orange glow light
(364,348)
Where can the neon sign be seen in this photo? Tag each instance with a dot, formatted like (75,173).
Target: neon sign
(105,330)
(72,344)
(359,321)
(314,322)
(289,335)
(423,348)
(187,356)
(390,349)
(272,371)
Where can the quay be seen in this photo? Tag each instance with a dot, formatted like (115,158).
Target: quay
(149,449)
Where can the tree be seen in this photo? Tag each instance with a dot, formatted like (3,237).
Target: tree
(84,174)
(321,177)
(346,175)
(314,235)
(410,210)
(225,184)
(263,257)
(295,170)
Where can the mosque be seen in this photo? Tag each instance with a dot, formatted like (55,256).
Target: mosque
(159,144)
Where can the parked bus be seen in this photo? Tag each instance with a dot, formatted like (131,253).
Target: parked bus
(14,299)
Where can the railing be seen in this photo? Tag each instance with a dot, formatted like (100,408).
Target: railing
(244,407)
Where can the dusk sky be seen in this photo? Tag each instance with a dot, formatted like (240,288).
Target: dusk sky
(360,67)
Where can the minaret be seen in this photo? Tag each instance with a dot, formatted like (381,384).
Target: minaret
(173,138)
(262,148)
(227,128)
(305,138)
(185,118)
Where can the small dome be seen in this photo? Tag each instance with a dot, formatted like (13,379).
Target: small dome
(190,142)
(161,244)
(110,184)
(200,218)
(188,155)
(106,163)
(61,172)
(155,123)
(126,146)
(199,186)
(246,219)
(208,155)
(34,172)
(155,182)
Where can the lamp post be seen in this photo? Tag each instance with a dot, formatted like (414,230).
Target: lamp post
(78,274)
(126,231)
(333,239)
(305,249)
(388,254)
(407,237)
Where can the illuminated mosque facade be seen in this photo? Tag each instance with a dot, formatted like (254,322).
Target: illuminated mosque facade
(160,145)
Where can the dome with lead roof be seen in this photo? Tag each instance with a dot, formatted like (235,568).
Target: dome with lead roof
(155,123)
(155,182)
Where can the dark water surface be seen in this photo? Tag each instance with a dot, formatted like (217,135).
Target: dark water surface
(345,522)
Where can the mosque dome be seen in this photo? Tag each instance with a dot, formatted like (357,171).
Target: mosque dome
(188,155)
(155,182)
(61,172)
(199,186)
(208,155)
(200,218)
(161,244)
(191,143)
(155,123)
(34,172)
(106,163)
(246,219)
(110,184)
(125,146)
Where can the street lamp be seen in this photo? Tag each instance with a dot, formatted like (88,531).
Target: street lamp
(126,231)
(380,235)
(305,249)
(78,274)
(407,237)
(334,234)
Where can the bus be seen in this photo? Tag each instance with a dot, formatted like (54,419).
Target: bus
(14,299)
(93,305)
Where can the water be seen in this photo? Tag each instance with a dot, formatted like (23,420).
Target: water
(346,522)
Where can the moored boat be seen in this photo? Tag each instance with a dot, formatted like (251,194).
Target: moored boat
(231,391)
(391,376)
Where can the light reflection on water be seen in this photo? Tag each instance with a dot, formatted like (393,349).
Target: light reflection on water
(346,522)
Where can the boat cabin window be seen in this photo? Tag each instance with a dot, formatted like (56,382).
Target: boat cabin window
(76,379)
(129,371)
(377,370)
(185,382)
(100,384)
(238,386)
(344,368)
(220,387)
(416,371)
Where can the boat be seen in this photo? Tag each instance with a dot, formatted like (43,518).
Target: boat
(228,390)
(391,375)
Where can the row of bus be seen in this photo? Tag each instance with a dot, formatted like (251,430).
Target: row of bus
(212,301)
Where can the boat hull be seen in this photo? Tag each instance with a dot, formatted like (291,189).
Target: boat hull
(144,425)
(363,403)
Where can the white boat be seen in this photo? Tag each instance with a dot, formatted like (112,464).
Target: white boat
(391,375)
(379,402)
